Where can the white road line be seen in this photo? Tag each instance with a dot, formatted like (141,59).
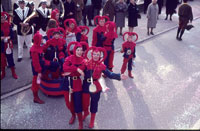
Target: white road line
(15,91)
(196,125)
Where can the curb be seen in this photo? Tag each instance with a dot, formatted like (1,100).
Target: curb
(15,91)
(159,33)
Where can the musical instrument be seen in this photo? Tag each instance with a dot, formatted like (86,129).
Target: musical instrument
(26,28)
(92,87)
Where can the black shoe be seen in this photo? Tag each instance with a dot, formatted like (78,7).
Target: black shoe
(166,18)
(170,19)
(19,59)
(147,33)
(152,33)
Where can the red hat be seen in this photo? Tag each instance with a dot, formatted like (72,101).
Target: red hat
(53,14)
(76,45)
(84,28)
(6,16)
(112,29)
(130,34)
(96,49)
(37,38)
(98,17)
(53,31)
(69,21)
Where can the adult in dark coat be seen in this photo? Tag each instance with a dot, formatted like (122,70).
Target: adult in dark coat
(171,8)
(97,7)
(132,15)
(185,15)
(88,12)
(109,9)
(160,5)
(69,6)
(146,4)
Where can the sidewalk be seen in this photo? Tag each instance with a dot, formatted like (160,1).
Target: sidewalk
(23,68)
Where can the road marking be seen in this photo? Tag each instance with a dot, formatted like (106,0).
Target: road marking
(196,125)
(15,91)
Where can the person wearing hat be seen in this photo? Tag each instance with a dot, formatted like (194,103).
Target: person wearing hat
(93,70)
(43,17)
(20,14)
(6,45)
(128,48)
(37,64)
(185,15)
(54,53)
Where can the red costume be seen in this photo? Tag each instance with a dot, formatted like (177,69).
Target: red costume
(93,73)
(36,54)
(84,37)
(54,53)
(53,16)
(75,29)
(6,45)
(128,48)
(108,44)
(71,64)
(98,32)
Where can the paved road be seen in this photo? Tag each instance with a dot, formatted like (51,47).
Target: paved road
(23,69)
(165,93)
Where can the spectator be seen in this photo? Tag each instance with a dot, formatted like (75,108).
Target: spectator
(132,15)
(57,4)
(160,5)
(146,4)
(97,7)
(88,12)
(171,8)
(152,16)
(109,9)
(79,5)
(185,15)
(69,7)
(120,9)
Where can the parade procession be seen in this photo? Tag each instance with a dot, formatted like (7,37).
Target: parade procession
(71,46)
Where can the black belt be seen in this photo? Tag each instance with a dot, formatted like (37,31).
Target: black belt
(108,45)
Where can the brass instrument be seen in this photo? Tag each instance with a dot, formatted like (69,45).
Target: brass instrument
(26,28)
(62,15)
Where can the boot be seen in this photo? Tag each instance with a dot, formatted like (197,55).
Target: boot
(166,17)
(3,72)
(181,35)
(37,99)
(86,113)
(13,72)
(71,121)
(130,74)
(91,125)
(178,31)
(80,120)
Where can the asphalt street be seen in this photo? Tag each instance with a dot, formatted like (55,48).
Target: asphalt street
(164,94)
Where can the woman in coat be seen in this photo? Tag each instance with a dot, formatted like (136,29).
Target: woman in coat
(57,4)
(120,9)
(69,7)
(171,8)
(152,16)
(79,5)
(132,15)
(109,9)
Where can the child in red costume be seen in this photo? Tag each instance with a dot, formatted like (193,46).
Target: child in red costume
(74,66)
(55,15)
(37,65)
(108,44)
(54,53)
(84,32)
(6,45)
(98,32)
(128,48)
(93,71)
(71,28)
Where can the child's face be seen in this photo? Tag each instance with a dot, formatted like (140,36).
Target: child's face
(57,16)
(83,32)
(130,38)
(56,36)
(72,25)
(102,22)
